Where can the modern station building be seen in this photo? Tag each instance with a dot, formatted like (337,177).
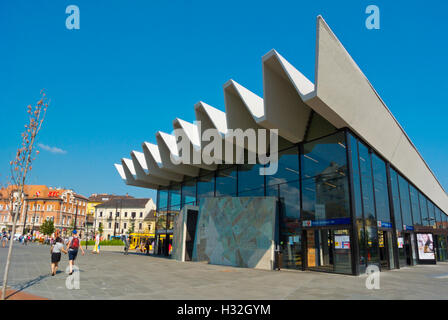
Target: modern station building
(351,189)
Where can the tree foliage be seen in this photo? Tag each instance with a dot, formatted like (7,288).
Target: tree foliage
(47,227)
(100,228)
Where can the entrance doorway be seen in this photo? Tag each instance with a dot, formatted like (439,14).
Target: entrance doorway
(410,249)
(192,219)
(386,249)
(328,250)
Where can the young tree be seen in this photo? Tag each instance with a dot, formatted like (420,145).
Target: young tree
(100,228)
(20,167)
(132,227)
(47,227)
(72,227)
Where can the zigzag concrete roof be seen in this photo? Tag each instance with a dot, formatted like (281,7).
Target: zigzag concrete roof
(342,95)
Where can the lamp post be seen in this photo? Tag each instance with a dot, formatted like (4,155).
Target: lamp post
(34,218)
(115,218)
(76,215)
(24,222)
(87,233)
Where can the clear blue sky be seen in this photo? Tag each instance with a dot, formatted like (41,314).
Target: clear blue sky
(136,65)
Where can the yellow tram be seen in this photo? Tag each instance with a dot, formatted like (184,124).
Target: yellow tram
(137,240)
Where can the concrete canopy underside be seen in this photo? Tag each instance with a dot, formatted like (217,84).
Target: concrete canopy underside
(342,95)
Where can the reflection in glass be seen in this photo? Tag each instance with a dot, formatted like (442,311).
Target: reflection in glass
(175,197)
(287,167)
(226,182)
(206,186)
(324,179)
(189,192)
(249,178)
(162,198)
(415,207)
(380,185)
(403,186)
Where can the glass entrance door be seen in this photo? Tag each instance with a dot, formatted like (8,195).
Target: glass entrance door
(329,250)
(386,250)
(409,249)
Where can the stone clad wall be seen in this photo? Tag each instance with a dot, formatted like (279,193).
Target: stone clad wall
(238,231)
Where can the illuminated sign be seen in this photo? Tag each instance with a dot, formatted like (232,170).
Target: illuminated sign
(53,194)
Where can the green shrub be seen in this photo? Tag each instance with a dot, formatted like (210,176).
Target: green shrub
(114,242)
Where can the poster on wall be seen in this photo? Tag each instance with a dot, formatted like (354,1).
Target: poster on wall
(400,242)
(425,245)
(342,242)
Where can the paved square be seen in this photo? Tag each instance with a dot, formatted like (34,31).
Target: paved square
(112,275)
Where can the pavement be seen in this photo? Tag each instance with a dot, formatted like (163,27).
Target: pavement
(112,275)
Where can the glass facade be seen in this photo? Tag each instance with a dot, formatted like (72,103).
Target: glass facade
(325,180)
(226,185)
(316,216)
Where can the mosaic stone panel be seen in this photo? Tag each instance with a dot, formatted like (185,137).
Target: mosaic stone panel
(236,231)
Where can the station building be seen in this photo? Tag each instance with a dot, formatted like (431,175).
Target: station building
(351,189)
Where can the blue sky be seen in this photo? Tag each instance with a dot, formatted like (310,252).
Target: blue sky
(136,65)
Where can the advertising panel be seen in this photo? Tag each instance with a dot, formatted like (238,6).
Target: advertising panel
(425,245)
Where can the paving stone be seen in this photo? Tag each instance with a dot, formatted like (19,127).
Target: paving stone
(112,275)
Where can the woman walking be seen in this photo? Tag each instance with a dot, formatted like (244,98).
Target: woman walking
(56,250)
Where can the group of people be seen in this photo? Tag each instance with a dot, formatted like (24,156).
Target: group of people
(72,247)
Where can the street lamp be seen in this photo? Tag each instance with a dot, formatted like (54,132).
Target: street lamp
(76,215)
(34,218)
(24,222)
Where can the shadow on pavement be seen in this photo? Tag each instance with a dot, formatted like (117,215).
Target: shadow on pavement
(27,284)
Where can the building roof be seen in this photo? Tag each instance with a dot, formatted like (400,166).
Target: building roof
(103,197)
(40,192)
(341,94)
(125,203)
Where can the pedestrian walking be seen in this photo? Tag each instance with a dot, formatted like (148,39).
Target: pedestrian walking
(56,250)
(126,245)
(96,248)
(4,238)
(73,246)
(147,247)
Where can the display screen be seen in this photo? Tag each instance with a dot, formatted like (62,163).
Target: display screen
(425,246)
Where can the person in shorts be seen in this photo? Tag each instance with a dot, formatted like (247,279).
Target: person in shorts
(4,238)
(74,243)
(56,250)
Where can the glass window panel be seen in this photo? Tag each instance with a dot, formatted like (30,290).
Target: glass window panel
(415,206)
(423,209)
(287,167)
(366,183)
(162,196)
(290,199)
(356,177)
(403,186)
(249,178)
(252,193)
(325,182)
(189,192)
(380,185)
(358,203)
(396,200)
(431,214)
(226,182)
(175,197)
(206,186)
